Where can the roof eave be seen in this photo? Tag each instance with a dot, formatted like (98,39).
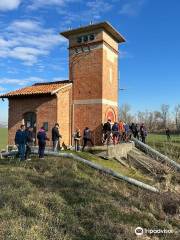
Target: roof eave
(105,25)
(23,95)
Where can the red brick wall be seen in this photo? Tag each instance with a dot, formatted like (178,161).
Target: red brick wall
(86,73)
(110,67)
(89,116)
(64,114)
(90,73)
(44,107)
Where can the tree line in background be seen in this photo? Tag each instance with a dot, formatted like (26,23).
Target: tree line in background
(155,121)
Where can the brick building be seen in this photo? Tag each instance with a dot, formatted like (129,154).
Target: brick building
(88,98)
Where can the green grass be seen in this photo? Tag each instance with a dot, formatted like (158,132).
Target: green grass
(162,138)
(62,199)
(3,137)
(170,148)
(116,166)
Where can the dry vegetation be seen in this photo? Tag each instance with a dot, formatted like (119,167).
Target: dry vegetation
(169,148)
(63,199)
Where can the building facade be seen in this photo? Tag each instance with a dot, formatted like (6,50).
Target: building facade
(88,99)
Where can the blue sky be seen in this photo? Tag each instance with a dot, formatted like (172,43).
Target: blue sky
(31,50)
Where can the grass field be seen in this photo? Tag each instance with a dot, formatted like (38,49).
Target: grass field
(60,198)
(170,148)
(3,137)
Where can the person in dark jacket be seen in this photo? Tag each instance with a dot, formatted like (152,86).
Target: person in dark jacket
(115,132)
(42,137)
(137,131)
(20,141)
(168,134)
(56,137)
(133,129)
(77,137)
(143,133)
(107,131)
(87,137)
(29,142)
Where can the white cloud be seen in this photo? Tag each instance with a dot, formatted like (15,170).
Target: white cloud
(42,3)
(26,25)
(93,11)
(26,81)
(98,6)
(132,7)
(6,5)
(27,41)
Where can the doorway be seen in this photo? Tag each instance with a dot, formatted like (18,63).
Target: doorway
(30,121)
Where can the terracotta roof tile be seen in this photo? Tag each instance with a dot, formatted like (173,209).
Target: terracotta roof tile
(37,89)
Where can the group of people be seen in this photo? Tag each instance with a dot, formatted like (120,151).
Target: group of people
(87,138)
(25,139)
(117,132)
(122,132)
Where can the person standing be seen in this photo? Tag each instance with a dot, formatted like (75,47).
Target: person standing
(107,131)
(77,137)
(136,131)
(42,137)
(87,138)
(115,132)
(56,137)
(121,131)
(143,133)
(29,142)
(20,141)
(126,128)
(133,129)
(168,134)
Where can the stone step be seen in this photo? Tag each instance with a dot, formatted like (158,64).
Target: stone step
(145,163)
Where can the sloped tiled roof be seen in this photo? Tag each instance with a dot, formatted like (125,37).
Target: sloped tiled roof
(38,89)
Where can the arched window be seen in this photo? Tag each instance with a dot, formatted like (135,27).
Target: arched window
(30,119)
(110,114)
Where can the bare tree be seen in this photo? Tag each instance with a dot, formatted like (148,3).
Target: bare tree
(177,116)
(124,113)
(164,114)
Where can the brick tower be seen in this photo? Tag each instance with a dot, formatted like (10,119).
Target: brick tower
(93,70)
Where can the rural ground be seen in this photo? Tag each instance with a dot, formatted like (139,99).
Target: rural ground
(60,198)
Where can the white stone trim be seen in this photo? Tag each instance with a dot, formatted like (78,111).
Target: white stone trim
(95,101)
(57,90)
(82,49)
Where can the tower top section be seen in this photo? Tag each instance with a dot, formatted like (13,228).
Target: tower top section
(104,26)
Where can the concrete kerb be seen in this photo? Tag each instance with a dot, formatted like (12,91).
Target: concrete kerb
(94,166)
(102,169)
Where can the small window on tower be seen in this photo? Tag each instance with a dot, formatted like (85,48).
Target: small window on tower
(85,38)
(92,37)
(79,39)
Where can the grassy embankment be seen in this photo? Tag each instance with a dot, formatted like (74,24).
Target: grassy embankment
(62,199)
(170,148)
(3,137)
